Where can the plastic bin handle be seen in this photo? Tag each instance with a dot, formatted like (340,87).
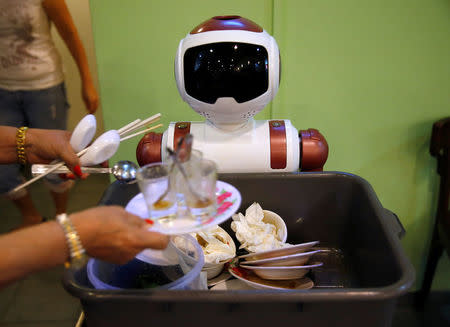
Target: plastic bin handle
(395,225)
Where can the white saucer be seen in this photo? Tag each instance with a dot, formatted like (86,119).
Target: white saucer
(224,276)
(228,202)
(231,285)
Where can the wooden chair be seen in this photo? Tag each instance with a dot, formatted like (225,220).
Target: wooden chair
(439,148)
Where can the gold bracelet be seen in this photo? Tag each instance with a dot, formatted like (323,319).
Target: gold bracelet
(20,144)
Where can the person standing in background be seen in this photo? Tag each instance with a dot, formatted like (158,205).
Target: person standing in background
(32,89)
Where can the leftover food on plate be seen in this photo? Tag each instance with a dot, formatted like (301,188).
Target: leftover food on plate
(256,235)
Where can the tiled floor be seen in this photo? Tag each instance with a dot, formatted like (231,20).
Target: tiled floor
(40,300)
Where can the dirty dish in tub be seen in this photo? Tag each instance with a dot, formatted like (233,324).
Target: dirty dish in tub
(259,230)
(297,259)
(222,278)
(279,252)
(218,248)
(271,217)
(251,279)
(232,285)
(281,273)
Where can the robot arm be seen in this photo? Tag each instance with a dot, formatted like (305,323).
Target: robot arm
(313,147)
(313,150)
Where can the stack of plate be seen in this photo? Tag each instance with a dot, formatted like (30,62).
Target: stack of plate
(283,268)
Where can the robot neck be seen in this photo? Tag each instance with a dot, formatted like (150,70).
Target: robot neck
(231,127)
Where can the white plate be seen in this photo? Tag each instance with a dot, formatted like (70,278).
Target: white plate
(232,285)
(297,259)
(228,202)
(250,278)
(224,276)
(279,252)
(281,273)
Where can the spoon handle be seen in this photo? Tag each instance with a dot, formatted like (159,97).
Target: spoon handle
(50,170)
(42,169)
(185,176)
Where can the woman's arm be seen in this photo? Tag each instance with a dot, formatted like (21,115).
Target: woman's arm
(8,151)
(31,249)
(59,14)
(41,146)
(108,233)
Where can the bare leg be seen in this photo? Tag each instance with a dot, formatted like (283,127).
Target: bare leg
(29,212)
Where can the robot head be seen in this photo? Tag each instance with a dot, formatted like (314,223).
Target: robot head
(227,69)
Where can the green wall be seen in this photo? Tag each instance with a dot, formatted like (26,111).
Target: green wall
(372,76)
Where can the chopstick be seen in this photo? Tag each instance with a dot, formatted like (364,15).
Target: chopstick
(56,166)
(141,132)
(123,131)
(128,126)
(141,124)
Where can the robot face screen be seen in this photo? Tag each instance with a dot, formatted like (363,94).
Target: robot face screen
(226,69)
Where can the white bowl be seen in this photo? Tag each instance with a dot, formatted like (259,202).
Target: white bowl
(271,217)
(297,259)
(281,273)
(214,269)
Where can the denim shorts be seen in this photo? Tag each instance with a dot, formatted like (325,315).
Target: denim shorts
(46,108)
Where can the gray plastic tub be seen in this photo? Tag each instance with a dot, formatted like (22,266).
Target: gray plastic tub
(365,270)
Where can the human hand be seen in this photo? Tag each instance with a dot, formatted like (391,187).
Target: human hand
(90,97)
(112,234)
(45,145)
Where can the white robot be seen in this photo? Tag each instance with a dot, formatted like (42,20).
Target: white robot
(228,69)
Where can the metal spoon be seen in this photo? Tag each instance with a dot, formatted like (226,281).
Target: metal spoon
(183,155)
(176,154)
(199,197)
(124,171)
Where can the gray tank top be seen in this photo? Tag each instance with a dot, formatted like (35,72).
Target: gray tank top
(29,59)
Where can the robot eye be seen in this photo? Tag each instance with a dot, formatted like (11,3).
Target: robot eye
(226,69)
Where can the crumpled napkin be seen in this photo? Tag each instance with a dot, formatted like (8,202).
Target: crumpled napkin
(214,244)
(254,234)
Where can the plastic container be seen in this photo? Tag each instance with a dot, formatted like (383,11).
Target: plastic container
(365,269)
(178,267)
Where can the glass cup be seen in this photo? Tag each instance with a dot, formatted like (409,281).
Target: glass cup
(157,185)
(179,180)
(194,159)
(199,189)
